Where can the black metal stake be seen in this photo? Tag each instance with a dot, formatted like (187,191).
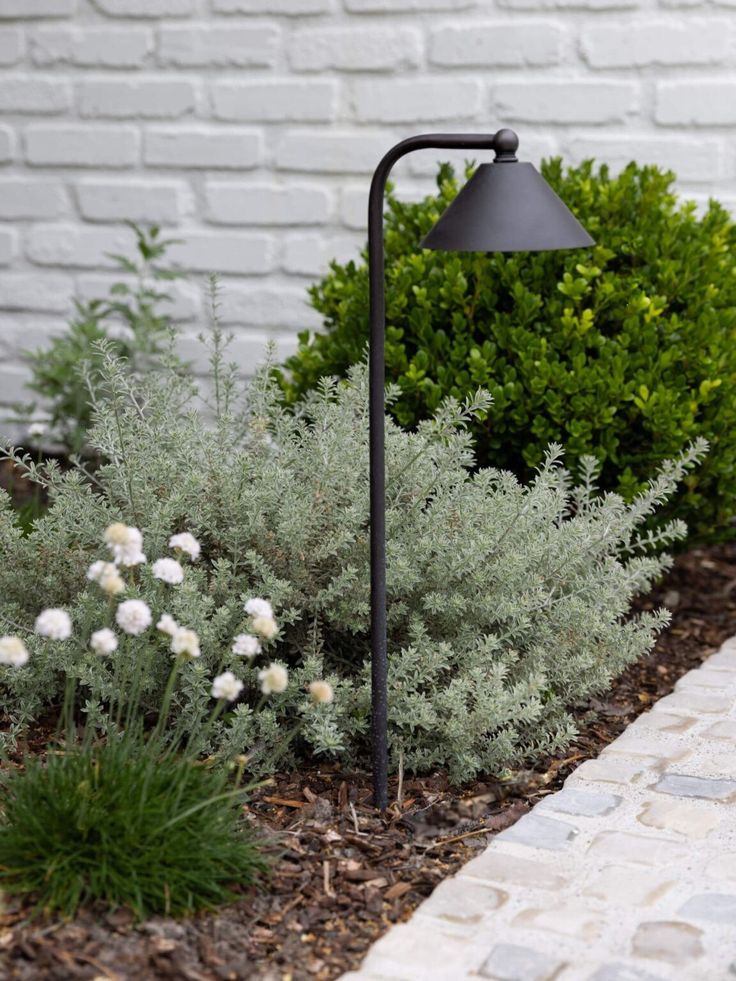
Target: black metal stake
(379,655)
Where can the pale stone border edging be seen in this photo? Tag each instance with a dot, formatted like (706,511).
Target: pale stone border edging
(626,874)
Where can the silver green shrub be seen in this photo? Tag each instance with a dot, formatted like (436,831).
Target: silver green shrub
(508,604)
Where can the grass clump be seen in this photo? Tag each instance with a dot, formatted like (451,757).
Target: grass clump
(125,824)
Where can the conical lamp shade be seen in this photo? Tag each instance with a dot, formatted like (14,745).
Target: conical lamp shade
(507,207)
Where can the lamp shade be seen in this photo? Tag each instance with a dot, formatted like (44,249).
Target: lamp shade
(507,206)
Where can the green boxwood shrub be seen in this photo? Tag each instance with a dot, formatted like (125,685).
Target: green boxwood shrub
(626,351)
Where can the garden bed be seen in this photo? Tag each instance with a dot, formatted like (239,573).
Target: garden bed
(345,874)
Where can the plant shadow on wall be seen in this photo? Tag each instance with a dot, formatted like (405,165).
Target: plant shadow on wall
(508,603)
(133,322)
(130,318)
(626,353)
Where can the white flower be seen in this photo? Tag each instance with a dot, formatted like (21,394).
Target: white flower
(133,616)
(321,692)
(37,429)
(107,576)
(168,570)
(226,686)
(265,626)
(117,534)
(185,641)
(13,651)
(167,625)
(246,645)
(103,641)
(257,607)
(111,581)
(186,543)
(274,679)
(96,569)
(54,624)
(128,555)
(126,544)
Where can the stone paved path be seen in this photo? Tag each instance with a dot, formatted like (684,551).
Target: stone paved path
(626,874)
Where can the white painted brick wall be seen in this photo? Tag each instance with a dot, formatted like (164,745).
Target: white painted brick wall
(250,129)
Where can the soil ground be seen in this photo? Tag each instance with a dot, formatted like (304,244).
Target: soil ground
(344,874)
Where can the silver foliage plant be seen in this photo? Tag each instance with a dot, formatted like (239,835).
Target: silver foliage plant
(508,604)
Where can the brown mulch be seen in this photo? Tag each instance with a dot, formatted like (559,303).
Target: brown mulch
(344,873)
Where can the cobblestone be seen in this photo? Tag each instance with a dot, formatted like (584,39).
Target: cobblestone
(683,785)
(458,901)
(715,681)
(498,867)
(673,942)
(721,730)
(611,769)
(638,885)
(620,885)
(725,660)
(705,704)
(621,846)
(540,832)
(712,906)
(580,802)
(688,819)
(572,920)
(663,722)
(648,745)
(507,962)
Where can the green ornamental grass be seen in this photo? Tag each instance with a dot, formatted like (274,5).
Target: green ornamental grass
(126,824)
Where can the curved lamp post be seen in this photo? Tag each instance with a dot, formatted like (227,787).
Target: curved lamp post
(506,206)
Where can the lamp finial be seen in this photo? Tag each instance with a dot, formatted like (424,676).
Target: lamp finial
(505,143)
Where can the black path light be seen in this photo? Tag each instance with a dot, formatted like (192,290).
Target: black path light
(506,206)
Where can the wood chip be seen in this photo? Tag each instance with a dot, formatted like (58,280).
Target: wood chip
(397,890)
(282,802)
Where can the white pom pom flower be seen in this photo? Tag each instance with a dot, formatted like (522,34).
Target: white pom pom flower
(116,534)
(246,645)
(185,642)
(226,686)
(126,544)
(128,555)
(106,575)
(167,625)
(258,607)
(96,569)
(103,642)
(168,571)
(134,617)
(187,543)
(265,626)
(322,692)
(111,582)
(13,651)
(274,679)
(54,624)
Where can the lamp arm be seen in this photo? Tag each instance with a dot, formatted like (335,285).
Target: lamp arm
(376,384)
